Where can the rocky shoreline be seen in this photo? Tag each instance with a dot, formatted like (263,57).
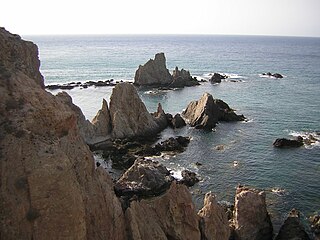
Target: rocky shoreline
(52,189)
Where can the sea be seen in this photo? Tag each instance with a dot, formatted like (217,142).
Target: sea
(233,153)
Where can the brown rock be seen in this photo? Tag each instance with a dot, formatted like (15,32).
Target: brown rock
(49,187)
(153,73)
(102,121)
(129,116)
(214,221)
(170,216)
(252,220)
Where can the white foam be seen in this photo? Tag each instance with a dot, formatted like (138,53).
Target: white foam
(311,139)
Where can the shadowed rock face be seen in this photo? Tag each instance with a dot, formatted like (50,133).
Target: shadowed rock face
(49,185)
(252,220)
(292,228)
(207,112)
(153,73)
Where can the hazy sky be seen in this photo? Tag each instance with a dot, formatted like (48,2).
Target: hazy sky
(245,17)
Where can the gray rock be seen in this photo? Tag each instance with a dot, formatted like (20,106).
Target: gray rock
(153,73)
(182,79)
(283,142)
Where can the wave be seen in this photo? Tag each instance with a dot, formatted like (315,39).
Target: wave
(231,77)
(311,138)
(278,191)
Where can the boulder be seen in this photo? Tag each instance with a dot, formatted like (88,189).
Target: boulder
(173,144)
(169,216)
(50,187)
(160,117)
(214,222)
(315,225)
(217,77)
(251,218)
(144,178)
(292,228)
(283,142)
(189,178)
(177,121)
(182,78)
(154,73)
(275,75)
(129,116)
(206,112)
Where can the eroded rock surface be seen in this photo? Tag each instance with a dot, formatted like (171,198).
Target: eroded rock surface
(207,112)
(251,218)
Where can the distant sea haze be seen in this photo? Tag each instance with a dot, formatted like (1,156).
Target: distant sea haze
(275,108)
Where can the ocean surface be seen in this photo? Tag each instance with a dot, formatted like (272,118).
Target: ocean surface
(274,107)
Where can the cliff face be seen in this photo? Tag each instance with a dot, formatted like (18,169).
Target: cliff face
(49,187)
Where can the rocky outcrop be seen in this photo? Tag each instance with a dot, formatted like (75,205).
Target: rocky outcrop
(315,225)
(50,188)
(283,142)
(189,178)
(102,121)
(207,112)
(153,73)
(20,56)
(251,219)
(214,222)
(275,75)
(129,115)
(217,77)
(292,228)
(177,121)
(160,117)
(170,216)
(182,78)
(144,178)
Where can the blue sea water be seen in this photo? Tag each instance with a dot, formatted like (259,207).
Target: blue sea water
(275,107)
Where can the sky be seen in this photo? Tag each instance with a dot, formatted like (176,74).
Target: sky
(231,17)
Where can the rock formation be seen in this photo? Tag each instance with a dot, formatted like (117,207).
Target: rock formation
(182,79)
(251,219)
(144,178)
(214,222)
(170,216)
(217,77)
(275,75)
(129,115)
(292,228)
(153,73)
(206,112)
(49,187)
(102,121)
(283,142)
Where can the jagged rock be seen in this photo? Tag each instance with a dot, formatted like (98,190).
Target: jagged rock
(315,225)
(206,112)
(283,142)
(129,116)
(102,121)
(292,228)
(160,117)
(144,178)
(252,220)
(214,222)
(189,178)
(182,79)
(49,187)
(17,55)
(177,121)
(153,73)
(170,216)
(217,77)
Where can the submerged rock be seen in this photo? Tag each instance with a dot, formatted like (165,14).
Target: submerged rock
(275,75)
(153,73)
(251,218)
(292,228)
(144,178)
(206,112)
(214,222)
(283,142)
